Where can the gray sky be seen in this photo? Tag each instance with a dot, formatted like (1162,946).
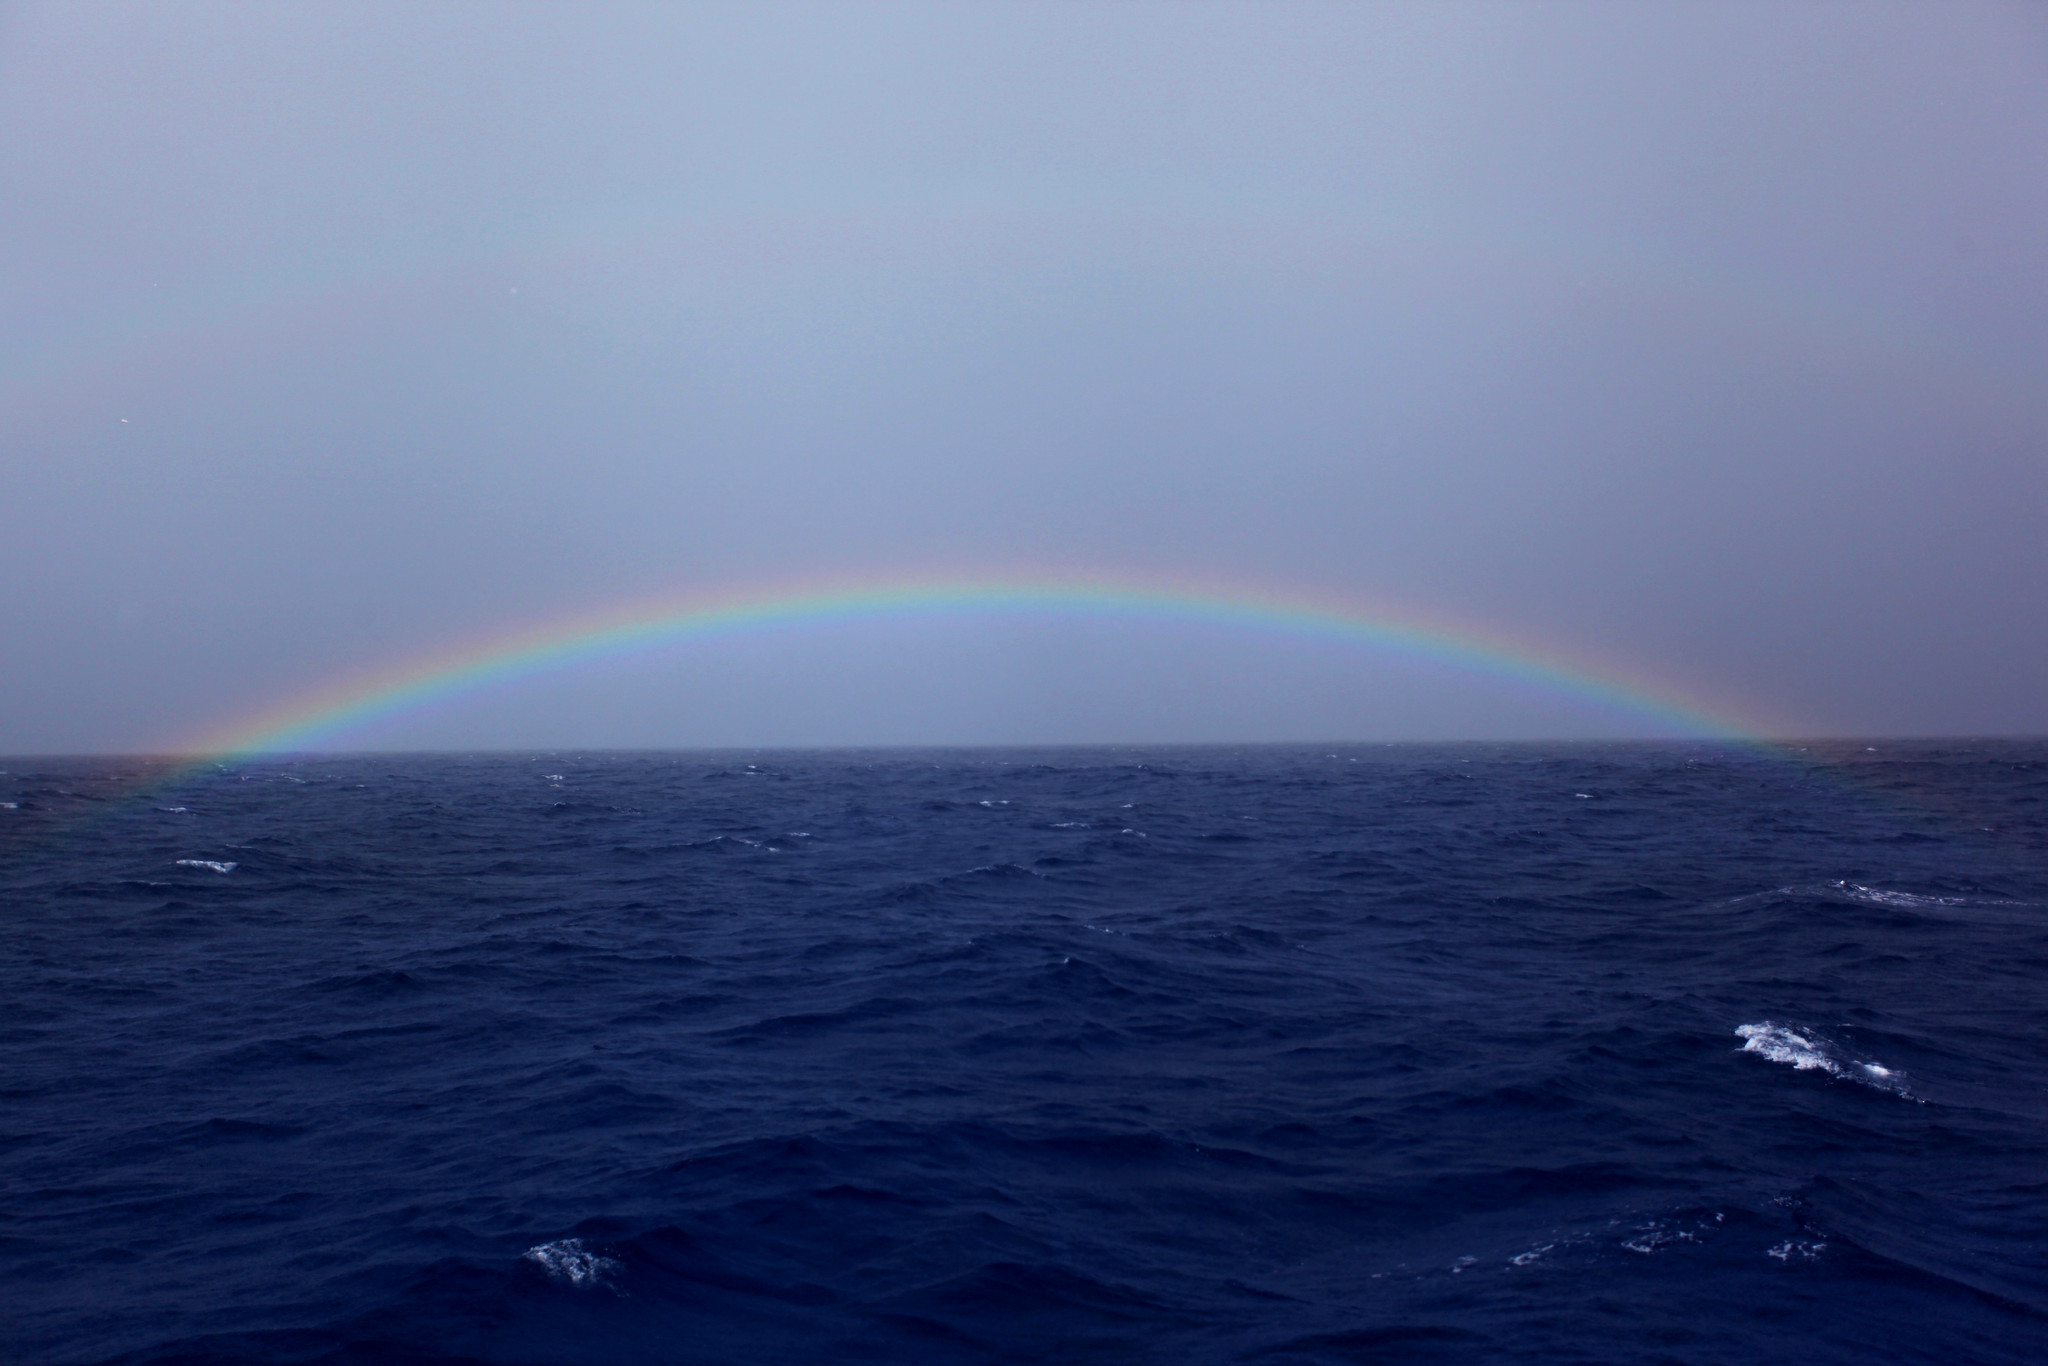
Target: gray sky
(1704,340)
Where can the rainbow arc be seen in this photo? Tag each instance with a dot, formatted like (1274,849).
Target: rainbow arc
(323,717)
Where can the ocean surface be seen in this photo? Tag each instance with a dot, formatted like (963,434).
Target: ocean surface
(1478,1053)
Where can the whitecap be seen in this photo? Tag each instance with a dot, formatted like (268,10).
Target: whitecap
(10,806)
(1797,1250)
(1650,1237)
(1868,896)
(1878,896)
(1806,1050)
(568,1260)
(1779,1044)
(217,867)
(1007,869)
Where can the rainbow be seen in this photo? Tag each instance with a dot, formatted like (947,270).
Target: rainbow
(320,718)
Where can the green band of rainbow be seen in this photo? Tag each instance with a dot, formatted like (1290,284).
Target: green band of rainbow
(318,719)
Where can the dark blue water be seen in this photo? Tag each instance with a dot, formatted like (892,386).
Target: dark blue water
(1574,1054)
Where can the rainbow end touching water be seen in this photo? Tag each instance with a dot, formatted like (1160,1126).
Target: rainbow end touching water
(320,718)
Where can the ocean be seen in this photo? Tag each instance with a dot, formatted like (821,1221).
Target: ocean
(1348,1053)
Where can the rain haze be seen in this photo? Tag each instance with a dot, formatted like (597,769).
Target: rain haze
(1696,346)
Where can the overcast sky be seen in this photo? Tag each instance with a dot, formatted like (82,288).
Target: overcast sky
(1708,341)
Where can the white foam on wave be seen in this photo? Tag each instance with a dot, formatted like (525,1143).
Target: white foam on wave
(1007,869)
(1797,1250)
(1869,896)
(1647,1242)
(1776,1043)
(1648,1238)
(1878,896)
(1807,1050)
(217,867)
(568,1260)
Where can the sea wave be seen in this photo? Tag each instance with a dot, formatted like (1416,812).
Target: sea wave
(567,1259)
(1807,1050)
(445,1073)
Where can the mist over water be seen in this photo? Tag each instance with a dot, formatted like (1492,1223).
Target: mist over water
(1701,340)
